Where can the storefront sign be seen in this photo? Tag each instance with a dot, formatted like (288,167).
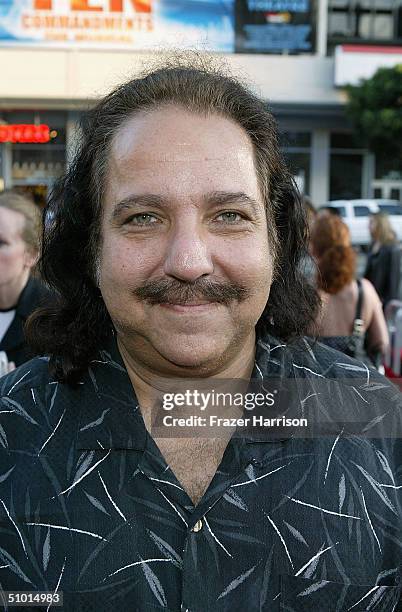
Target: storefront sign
(274,26)
(25,132)
(355,62)
(134,24)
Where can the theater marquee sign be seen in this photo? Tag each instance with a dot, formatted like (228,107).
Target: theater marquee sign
(134,24)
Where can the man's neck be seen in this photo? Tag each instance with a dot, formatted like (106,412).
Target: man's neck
(149,385)
(193,460)
(10,292)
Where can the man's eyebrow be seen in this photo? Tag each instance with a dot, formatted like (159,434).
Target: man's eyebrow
(229,198)
(215,198)
(148,199)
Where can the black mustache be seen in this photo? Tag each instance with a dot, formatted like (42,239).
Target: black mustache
(174,291)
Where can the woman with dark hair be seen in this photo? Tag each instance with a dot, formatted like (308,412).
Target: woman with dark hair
(350,309)
(383,268)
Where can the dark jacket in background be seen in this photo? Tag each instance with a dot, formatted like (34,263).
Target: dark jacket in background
(383,270)
(13,343)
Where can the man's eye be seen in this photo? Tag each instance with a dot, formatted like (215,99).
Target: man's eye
(142,219)
(230,217)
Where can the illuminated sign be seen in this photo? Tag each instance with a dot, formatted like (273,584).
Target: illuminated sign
(25,132)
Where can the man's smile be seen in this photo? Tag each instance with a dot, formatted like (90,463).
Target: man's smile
(194,308)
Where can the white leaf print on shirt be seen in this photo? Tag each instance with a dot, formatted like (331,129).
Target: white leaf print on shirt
(155,585)
(46,550)
(235,583)
(13,565)
(341,492)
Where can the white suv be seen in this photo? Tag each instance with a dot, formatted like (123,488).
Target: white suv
(356,214)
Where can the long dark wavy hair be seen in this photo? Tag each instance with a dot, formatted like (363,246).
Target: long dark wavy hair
(72,331)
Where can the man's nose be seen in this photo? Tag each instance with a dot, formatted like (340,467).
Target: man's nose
(188,256)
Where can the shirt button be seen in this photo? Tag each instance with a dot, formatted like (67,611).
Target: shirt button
(256,463)
(197,527)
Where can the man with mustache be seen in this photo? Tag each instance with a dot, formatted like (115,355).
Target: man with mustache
(174,250)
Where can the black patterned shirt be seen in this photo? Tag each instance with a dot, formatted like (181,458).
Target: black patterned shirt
(89,507)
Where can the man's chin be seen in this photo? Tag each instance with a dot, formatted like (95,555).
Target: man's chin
(197,353)
(192,360)
(194,357)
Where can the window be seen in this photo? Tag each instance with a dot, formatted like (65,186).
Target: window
(391,209)
(341,210)
(361,211)
(296,150)
(345,176)
(41,162)
(388,167)
(344,140)
(295,139)
(299,166)
(357,21)
(38,163)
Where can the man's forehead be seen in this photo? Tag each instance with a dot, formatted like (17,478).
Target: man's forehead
(174,135)
(181,156)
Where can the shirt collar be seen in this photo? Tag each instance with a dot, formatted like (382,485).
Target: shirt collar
(110,415)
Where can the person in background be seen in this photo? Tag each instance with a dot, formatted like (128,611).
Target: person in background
(311,210)
(307,263)
(341,307)
(383,268)
(328,210)
(20,292)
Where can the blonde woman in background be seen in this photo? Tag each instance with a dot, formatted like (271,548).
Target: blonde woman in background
(339,291)
(383,268)
(20,293)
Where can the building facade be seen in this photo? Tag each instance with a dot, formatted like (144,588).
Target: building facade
(300,72)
